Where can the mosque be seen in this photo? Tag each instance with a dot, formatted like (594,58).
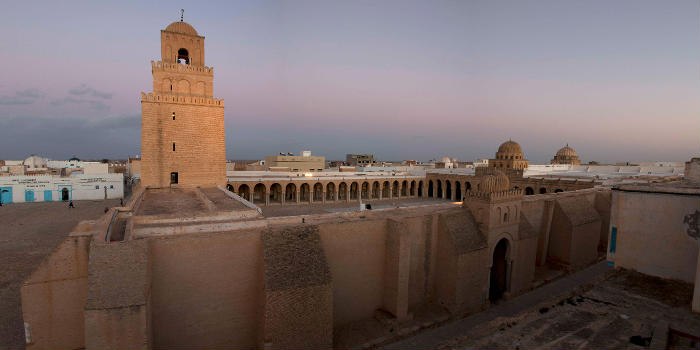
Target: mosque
(190,261)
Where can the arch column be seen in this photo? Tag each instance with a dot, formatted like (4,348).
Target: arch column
(284,195)
(347,193)
(267,197)
(298,192)
(335,195)
(323,197)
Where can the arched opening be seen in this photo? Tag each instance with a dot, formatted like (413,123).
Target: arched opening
(543,190)
(353,191)
(448,189)
(183,56)
(439,189)
(290,193)
(420,188)
(499,271)
(244,192)
(458,191)
(318,192)
(413,188)
(404,188)
(468,185)
(65,194)
(342,191)
(330,191)
(375,190)
(505,217)
(386,189)
(529,191)
(558,190)
(365,190)
(276,193)
(305,193)
(259,194)
(395,190)
(229,187)
(430,189)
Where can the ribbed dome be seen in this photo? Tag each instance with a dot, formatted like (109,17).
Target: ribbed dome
(567,151)
(495,183)
(181,27)
(510,147)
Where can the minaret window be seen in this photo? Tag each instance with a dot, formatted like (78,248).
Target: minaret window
(173,119)
(173,146)
(183,56)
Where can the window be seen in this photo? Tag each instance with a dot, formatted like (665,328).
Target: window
(173,177)
(173,115)
(97,187)
(173,146)
(111,186)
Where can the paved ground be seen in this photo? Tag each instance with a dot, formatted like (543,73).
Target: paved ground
(28,233)
(309,209)
(571,313)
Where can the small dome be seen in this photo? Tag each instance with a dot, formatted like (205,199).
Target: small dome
(496,182)
(181,27)
(510,147)
(567,151)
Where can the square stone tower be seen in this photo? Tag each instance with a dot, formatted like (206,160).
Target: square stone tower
(182,125)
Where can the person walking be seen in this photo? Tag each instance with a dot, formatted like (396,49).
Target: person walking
(70,204)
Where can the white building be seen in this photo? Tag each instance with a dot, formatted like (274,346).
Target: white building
(40,188)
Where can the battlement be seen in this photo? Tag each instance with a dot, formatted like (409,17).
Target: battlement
(495,196)
(181,68)
(153,97)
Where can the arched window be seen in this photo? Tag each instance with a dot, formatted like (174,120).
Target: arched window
(183,56)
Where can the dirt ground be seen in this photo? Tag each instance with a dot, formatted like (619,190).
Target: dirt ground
(311,209)
(28,233)
(620,312)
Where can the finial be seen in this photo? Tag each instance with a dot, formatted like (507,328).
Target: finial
(182,15)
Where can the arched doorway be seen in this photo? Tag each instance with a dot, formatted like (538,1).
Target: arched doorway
(353,191)
(375,190)
(529,191)
(330,191)
(430,189)
(412,192)
(499,271)
(318,192)
(404,188)
(276,193)
(365,190)
(386,190)
(448,189)
(229,187)
(543,190)
(65,194)
(458,191)
(468,186)
(420,188)
(259,194)
(395,189)
(342,191)
(305,193)
(290,193)
(244,191)
(439,189)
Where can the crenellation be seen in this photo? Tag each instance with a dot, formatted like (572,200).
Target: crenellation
(181,68)
(172,98)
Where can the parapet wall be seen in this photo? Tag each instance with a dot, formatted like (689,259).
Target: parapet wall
(192,100)
(181,68)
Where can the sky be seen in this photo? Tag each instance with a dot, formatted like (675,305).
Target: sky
(616,80)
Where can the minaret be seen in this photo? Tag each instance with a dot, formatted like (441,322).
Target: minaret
(182,125)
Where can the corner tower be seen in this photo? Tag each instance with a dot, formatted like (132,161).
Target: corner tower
(182,124)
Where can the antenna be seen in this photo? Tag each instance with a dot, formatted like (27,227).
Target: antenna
(182,15)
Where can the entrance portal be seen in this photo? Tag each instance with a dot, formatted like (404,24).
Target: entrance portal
(499,271)
(65,195)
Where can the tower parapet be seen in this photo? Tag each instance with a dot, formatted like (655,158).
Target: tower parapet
(170,98)
(181,68)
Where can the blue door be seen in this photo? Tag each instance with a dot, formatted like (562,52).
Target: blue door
(28,196)
(6,194)
(47,195)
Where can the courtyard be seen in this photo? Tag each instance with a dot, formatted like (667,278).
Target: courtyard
(28,233)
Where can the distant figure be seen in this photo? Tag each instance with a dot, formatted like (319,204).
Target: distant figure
(106,209)
(121,202)
(70,204)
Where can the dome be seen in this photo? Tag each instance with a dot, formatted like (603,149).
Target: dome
(496,182)
(181,27)
(567,151)
(510,147)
